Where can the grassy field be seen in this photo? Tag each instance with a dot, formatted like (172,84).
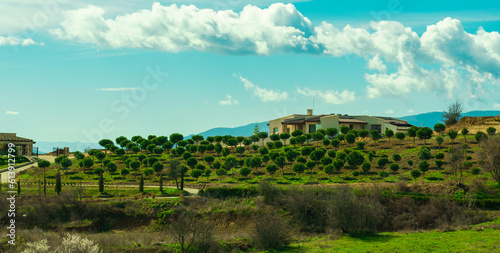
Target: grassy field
(487,240)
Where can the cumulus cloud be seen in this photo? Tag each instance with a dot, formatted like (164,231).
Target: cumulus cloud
(171,28)
(229,101)
(264,95)
(329,96)
(411,111)
(15,41)
(11,113)
(390,111)
(445,59)
(116,89)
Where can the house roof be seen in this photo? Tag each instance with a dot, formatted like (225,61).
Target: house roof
(350,120)
(13,137)
(302,120)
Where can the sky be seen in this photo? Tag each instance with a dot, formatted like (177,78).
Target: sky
(87,70)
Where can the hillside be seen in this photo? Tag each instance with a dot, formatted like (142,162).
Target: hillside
(431,118)
(475,124)
(245,130)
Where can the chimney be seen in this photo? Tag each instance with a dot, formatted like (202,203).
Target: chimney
(309,112)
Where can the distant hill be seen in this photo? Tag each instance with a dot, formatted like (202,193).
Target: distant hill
(246,130)
(48,146)
(431,118)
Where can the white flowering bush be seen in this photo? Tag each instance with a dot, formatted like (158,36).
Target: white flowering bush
(71,243)
(37,247)
(74,243)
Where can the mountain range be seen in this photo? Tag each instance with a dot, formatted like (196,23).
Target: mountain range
(421,120)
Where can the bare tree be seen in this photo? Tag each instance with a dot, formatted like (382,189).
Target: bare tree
(453,114)
(491,157)
(456,159)
(185,228)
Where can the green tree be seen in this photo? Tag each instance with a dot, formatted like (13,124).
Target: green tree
(141,184)
(480,136)
(196,173)
(284,137)
(452,116)
(280,162)
(331,132)
(424,153)
(400,136)
(439,128)
(412,132)
(439,141)
(423,166)
(43,164)
(424,133)
(363,133)
(366,166)
(101,184)
(271,169)
(465,131)
(58,183)
(389,134)
(263,136)
(350,138)
(317,136)
(274,137)
(191,162)
(355,158)
(396,157)
(375,135)
(197,138)
(491,131)
(394,167)
(297,133)
(415,174)
(111,167)
(124,172)
(299,168)
(158,150)
(157,167)
(345,129)
(245,171)
(453,135)
(338,164)
(176,137)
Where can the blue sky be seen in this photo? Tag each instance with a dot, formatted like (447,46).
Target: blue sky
(76,70)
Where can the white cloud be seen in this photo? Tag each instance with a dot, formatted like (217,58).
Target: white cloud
(390,111)
(264,95)
(329,96)
(171,28)
(229,101)
(496,106)
(445,59)
(116,89)
(411,111)
(15,41)
(11,113)
(377,63)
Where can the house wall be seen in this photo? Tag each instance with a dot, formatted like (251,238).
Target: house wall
(330,121)
(354,126)
(276,123)
(373,121)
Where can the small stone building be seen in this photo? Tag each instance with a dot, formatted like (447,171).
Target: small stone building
(24,145)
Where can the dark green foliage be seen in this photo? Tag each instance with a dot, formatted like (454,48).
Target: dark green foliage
(350,138)
(394,167)
(245,171)
(382,162)
(363,133)
(366,166)
(271,168)
(355,158)
(480,136)
(396,157)
(229,192)
(299,168)
(424,153)
(439,128)
(389,134)
(335,143)
(375,135)
(360,145)
(141,183)
(58,183)
(452,116)
(101,184)
(196,173)
(424,133)
(415,174)
(439,163)
(439,155)
(345,129)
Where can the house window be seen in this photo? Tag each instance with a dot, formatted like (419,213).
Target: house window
(351,126)
(288,130)
(376,127)
(312,128)
(275,130)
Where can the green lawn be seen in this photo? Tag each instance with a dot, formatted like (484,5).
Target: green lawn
(458,241)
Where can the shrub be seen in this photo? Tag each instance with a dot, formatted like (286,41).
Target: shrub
(382,162)
(360,145)
(228,192)
(245,171)
(439,155)
(356,173)
(394,167)
(383,174)
(74,243)
(439,163)
(480,136)
(270,231)
(366,166)
(396,157)
(424,153)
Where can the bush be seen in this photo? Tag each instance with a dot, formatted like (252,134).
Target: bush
(383,174)
(439,155)
(382,162)
(356,173)
(394,167)
(270,231)
(439,163)
(396,157)
(360,145)
(229,192)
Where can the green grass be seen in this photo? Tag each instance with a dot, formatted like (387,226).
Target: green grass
(435,241)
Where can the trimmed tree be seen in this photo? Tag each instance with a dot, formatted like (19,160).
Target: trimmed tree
(389,134)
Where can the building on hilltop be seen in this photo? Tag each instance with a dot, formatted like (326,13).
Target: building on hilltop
(309,123)
(24,146)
